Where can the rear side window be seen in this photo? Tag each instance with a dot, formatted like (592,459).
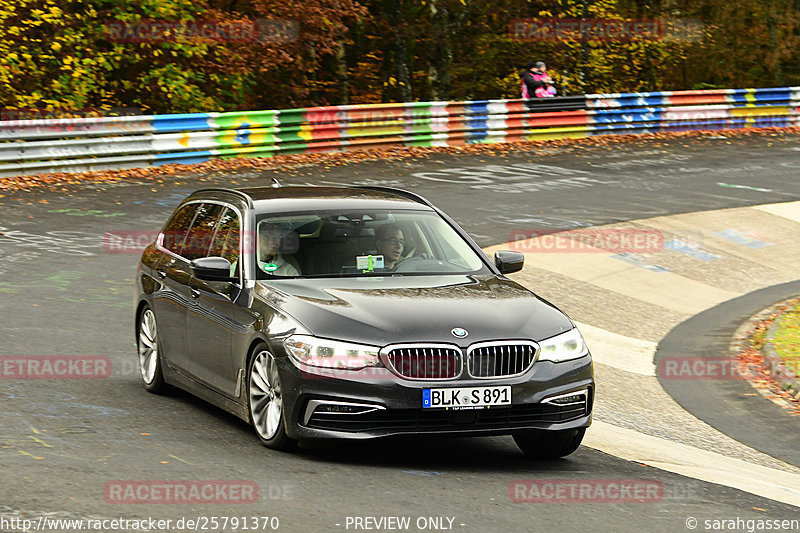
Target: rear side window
(226,238)
(178,226)
(198,240)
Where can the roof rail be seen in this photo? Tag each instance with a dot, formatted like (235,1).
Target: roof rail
(231,191)
(400,192)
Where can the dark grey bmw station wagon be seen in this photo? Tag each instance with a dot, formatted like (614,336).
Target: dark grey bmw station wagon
(330,313)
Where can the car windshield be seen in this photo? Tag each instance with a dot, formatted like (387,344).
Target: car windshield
(360,243)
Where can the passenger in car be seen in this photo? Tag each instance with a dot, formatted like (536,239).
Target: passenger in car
(270,260)
(389,242)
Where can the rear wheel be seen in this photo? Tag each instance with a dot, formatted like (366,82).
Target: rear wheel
(265,401)
(549,444)
(149,353)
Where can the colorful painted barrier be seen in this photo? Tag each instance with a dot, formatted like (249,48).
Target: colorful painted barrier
(77,145)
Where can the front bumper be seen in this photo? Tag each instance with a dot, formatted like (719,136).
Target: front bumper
(393,405)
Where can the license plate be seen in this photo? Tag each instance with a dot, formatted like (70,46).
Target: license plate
(466,398)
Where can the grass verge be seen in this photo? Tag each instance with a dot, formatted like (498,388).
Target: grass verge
(787,336)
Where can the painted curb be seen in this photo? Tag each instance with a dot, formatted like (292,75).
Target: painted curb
(731,406)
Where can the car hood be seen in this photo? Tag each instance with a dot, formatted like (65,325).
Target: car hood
(387,310)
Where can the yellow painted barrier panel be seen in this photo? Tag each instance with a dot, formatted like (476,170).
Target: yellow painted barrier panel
(761,111)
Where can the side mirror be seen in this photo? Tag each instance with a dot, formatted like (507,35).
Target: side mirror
(212,269)
(508,261)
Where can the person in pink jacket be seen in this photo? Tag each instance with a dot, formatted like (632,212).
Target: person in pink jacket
(544,83)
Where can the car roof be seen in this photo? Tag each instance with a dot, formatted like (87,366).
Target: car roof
(310,198)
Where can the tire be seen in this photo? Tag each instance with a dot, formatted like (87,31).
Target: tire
(549,444)
(148,348)
(265,401)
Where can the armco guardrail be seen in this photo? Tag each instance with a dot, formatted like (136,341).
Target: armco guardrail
(76,145)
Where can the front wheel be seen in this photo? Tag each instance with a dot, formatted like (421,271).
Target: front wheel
(549,444)
(265,401)
(149,353)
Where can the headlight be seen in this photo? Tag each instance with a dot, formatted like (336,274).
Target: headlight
(326,353)
(563,347)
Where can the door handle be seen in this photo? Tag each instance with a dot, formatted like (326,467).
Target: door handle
(161,274)
(195,292)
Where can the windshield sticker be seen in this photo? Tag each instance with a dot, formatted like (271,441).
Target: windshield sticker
(368,263)
(270,267)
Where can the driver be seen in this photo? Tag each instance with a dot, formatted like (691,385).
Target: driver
(389,243)
(270,260)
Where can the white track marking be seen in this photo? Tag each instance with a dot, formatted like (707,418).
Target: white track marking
(790,210)
(695,463)
(619,351)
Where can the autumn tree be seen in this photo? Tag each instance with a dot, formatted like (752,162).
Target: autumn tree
(77,55)
(74,55)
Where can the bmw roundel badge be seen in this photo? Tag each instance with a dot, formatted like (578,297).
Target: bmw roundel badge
(459,332)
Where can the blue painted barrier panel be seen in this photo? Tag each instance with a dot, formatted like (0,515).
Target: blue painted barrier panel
(477,122)
(479,107)
(760,96)
(624,115)
(181,123)
(185,158)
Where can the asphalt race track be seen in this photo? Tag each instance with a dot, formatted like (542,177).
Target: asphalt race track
(64,442)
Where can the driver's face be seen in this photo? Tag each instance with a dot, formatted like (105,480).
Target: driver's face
(391,246)
(268,243)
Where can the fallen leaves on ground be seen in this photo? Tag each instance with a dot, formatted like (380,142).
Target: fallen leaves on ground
(751,359)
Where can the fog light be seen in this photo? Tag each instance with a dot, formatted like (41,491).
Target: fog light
(570,398)
(575,398)
(346,409)
(338,408)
